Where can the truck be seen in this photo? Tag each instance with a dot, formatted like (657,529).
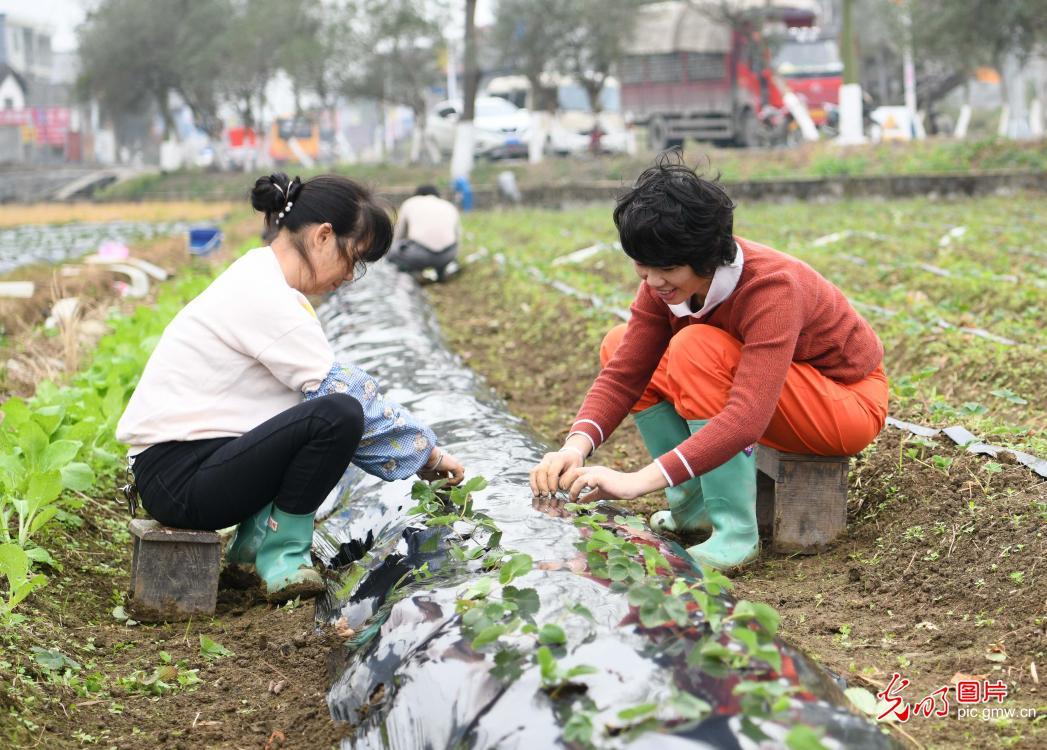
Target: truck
(719,71)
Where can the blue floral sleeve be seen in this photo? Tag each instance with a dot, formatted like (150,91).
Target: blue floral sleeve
(394,445)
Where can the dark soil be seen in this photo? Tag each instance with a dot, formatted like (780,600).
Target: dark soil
(938,573)
(269,692)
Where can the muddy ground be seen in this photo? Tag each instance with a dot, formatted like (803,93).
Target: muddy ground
(939,573)
(267,693)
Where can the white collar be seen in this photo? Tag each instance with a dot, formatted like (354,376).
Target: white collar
(725,279)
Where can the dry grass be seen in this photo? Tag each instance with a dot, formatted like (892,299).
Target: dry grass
(64,213)
(29,353)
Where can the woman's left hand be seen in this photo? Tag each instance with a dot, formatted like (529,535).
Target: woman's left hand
(604,483)
(443,466)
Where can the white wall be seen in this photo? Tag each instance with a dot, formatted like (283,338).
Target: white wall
(9,89)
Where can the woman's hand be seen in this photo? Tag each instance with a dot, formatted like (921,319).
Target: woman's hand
(545,477)
(601,483)
(442,465)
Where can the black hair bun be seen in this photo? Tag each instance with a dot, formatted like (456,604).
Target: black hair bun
(270,193)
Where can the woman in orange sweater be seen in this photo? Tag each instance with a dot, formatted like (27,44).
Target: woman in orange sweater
(730,344)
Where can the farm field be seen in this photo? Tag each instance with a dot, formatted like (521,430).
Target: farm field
(938,574)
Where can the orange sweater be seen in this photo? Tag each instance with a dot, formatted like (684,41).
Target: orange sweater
(782,311)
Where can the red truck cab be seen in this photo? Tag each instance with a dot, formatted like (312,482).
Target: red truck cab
(706,72)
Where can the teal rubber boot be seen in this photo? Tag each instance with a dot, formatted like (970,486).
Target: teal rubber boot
(662,429)
(283,561)
(729,491)
(249,535)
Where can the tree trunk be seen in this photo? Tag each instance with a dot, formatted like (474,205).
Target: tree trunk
(592,90)
(165,113)
(464,141)
(417,135)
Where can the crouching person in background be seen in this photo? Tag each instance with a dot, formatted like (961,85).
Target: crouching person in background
(242,416)
(427,234)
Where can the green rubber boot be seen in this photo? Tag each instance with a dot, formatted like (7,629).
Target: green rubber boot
(283,561)
(662,429)
(730,499)
(249,535)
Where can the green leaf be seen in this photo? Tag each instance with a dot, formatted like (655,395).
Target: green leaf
(689,707)
(514,567)
(526,600)
(1009,395)
(490,634)
(474,485)
(582,611)
(12,471)
(49,417)
(58,454)
(33,441)
(479,589)
(803,737)
(862,699)
(16,413)
(113,403)
(546,663)
(508,664)
(14,564)
(53,660)
(38,522)
(579,728)
(629,714)
(77,476)
(552,635)
(579,671)
(212,649)
(44,488)
(645,593)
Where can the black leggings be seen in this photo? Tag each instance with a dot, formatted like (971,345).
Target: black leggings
(294,459)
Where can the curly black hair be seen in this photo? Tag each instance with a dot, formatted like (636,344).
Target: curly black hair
(674,216)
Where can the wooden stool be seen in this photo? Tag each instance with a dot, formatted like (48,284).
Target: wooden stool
(801,500)
(174,572)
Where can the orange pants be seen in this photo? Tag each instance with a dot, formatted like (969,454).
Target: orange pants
(815,414)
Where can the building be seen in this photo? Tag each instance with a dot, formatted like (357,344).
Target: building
(36,114)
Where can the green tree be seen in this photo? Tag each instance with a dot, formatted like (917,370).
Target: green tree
(970,33)
(133,54)
(401,42)
(594,46)
(252,51)
(314,53)
(534,37)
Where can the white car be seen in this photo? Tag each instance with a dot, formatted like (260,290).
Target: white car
(501,129)
(570,133)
